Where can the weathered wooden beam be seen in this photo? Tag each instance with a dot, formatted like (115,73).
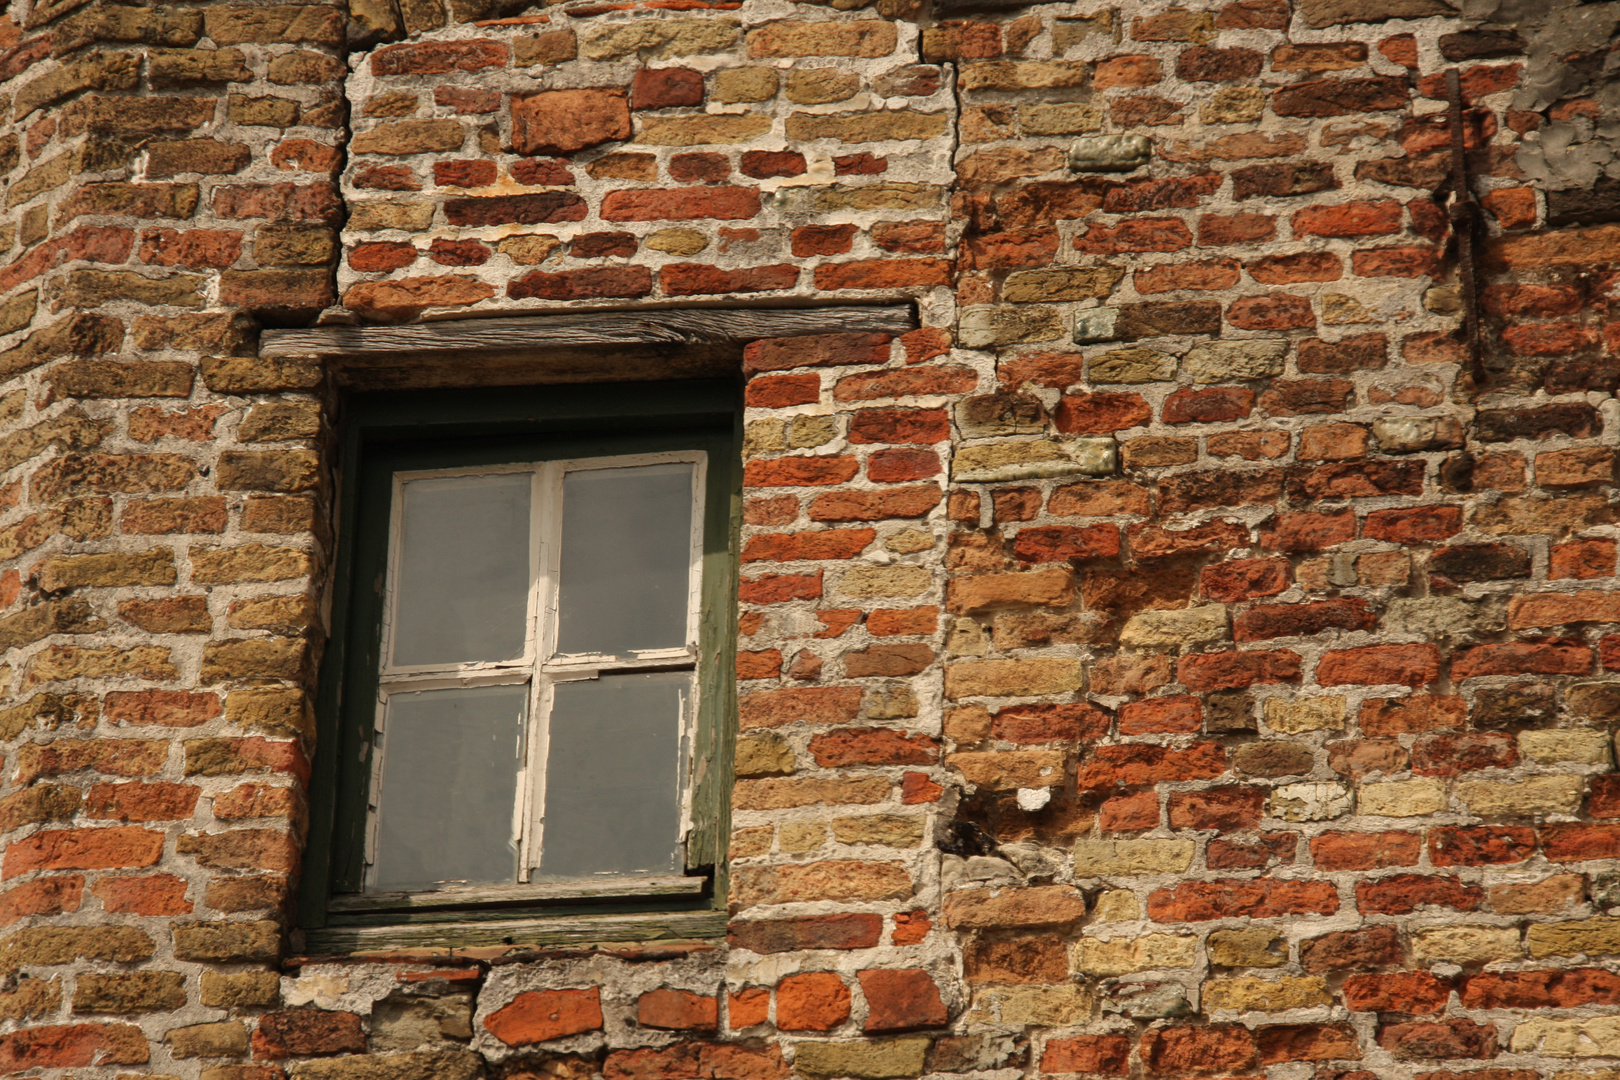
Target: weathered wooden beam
(578,930)
(691,326)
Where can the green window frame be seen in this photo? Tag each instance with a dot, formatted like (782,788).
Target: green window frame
(532,428)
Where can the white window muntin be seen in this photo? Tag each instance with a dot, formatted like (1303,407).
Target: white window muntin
(540,638)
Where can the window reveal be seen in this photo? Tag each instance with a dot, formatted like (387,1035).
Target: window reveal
(537,690)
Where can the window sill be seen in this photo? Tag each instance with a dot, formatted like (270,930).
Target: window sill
(553,892)
(557,930)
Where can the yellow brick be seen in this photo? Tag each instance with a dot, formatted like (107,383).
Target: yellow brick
(1467,944)
(1402,798)
(1105,858)
(1122,956)
(1577,746)
(1524,798)
(1252,994)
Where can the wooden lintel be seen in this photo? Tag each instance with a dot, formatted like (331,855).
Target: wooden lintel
(689,326)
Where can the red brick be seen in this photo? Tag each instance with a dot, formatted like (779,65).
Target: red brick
(903,1000)
(905,382)
(888,622)
(1181,713)
(1273,311)
(1101,413)
(159,801)
(916,788)
(1556,989)
(900,426)
(1365,850)
(812,705)
(1134,235)
(748,1008)
(1066,722)
(841,931)
(1252,853)
(900,502)
(1215,230)
(535,1016)
(1244,579)
(765,664)
(1232,808)
(779,588)
(1454,1038)
(678,1010)
(1412,715)
(781,391)
(799,471)
(1402,894)
(466,100)
(1217,1048)
(595,283)
(1060,543)
(680,204)
(1579,843)
(1419,525)
(307,1033)
(813,544)
(1237,670)
(439,57)
(763,164)
(1214,274)
(1523,658)
(663,88)
(1307,1042)
(1292,269)
(1129,813)
(83,849)
(73,1046)
(381,256)
(1483,845)
(1103,1055)
(1376,665)
(1308,532)
(1215,405)
(1396,262)
(541,172)
(814,1001)
(1266,621)
(696,279)
(169,708)
(822,350)
(1373,947)
(872,746)
(467,174)
(159,894)
(809,240)
(45,896)
(884,274)
(1138,763)
(1447,753)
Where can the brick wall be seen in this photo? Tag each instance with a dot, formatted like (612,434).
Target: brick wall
(1172,659)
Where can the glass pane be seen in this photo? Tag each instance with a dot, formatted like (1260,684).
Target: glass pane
(449,785)
(613,799)
(626,559)
(463,577)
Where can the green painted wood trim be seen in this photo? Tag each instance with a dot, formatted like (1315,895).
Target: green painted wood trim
(385,432)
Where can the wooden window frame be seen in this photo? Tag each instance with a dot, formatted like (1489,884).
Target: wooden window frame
(383,430)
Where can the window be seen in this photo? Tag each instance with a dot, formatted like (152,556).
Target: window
(531,659)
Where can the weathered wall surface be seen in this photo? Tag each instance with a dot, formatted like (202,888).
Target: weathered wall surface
(1170,660)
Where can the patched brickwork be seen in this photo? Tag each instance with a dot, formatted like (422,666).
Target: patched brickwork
(1172,658)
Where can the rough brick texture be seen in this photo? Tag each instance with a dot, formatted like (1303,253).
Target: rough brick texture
(1171,659)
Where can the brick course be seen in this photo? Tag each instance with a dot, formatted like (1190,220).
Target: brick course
(1168,660)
